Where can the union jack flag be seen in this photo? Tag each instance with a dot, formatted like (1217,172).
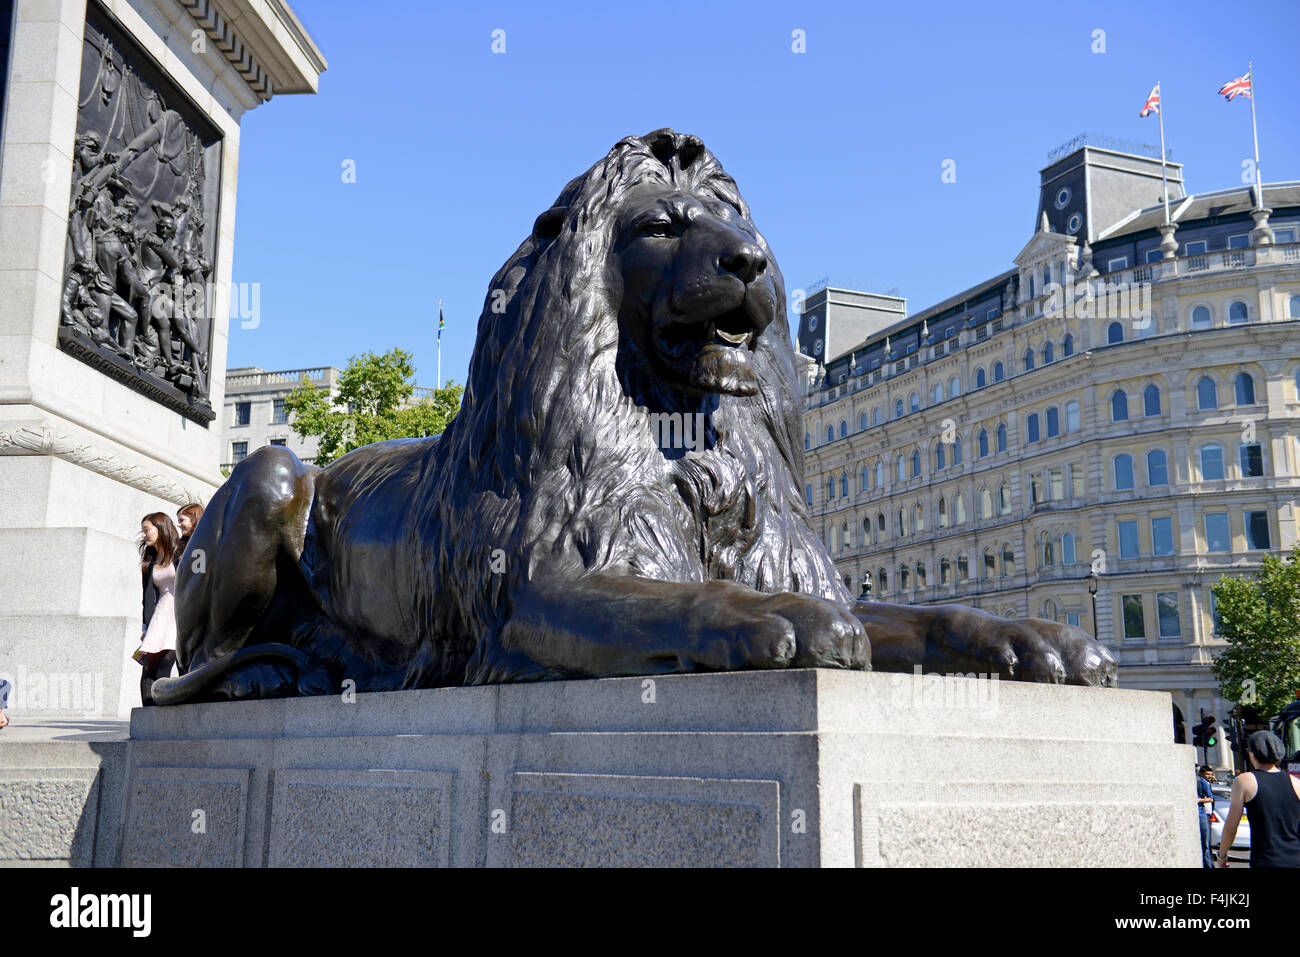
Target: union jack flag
(1153,102)
(1240,85)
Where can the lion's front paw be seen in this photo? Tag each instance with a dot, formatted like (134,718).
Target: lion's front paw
(741,628)
(1034,649)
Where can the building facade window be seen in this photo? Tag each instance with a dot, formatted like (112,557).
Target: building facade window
(243,413)
(958,509)
(954,386)
(956,451)
(1029,360)
(1119,406)
(862,421)
(1049,354)
(1072,420)
(1067,347)
(1201,318)
(1053,422)
(936,394)
(1114,333)
(1157,468)
(1211,463)
(1004,499)
(844,485)
(1001,436)
(916,463)
(1128,538)
(279,414)
(830,433)
(1008,561)
(1162,536)
(1251,459)
(844,428)
(986,503)
(913,402)
(238,452)
(940,457)
(1123,465)
(980,379)
(1207,393)
(1237,312)
(1077,488)
(1067,549)
(984,440)
(1257,537)
(1218,537)
(1151,400)
(1167,614)
(1031,427)
(998,373)
(1245,389)
(1135,626)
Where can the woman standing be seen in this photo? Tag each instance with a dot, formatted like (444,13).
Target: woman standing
(186,518)
(1272,797)
(159,552)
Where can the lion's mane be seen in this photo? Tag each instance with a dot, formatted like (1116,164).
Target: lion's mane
(551,468)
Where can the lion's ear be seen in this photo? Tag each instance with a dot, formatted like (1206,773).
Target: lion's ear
(548,224)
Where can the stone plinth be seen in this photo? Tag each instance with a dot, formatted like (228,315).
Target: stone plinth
(795,768)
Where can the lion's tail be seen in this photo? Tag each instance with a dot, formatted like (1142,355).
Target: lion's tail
(312,677)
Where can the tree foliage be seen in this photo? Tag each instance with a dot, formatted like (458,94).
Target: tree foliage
(1260,620)
(372,405)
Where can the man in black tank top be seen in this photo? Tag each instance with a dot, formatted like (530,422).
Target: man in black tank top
(1272,798)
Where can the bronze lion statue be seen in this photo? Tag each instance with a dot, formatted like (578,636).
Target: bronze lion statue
(557,529)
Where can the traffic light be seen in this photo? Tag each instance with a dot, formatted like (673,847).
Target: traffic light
(1211,732)
(1198,735)
(1230,729)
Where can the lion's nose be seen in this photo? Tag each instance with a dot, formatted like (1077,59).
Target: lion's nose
(746,262)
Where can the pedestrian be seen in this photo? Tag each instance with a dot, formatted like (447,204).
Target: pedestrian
(1273,799)
(1205,802)
(186,519)
(4,702)
(159,553)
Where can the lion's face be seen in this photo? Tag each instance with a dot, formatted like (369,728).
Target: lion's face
(698,288)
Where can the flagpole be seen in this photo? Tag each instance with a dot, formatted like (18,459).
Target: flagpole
(1259,180)
(437,383)
(1164,180)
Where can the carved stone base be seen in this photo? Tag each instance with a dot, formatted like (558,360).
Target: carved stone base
(797,768)
(120,368)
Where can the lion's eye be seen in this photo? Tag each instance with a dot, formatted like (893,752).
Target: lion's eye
(660,228)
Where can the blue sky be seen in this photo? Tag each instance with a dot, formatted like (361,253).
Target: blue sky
(838,150)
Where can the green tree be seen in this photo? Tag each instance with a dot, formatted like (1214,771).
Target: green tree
(372,405)
(1260,620)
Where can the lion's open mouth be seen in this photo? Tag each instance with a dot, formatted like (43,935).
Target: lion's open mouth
(732,330)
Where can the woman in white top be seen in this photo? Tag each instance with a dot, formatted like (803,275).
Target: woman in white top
(159,552)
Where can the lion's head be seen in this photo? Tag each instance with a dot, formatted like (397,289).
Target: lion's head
(643,290)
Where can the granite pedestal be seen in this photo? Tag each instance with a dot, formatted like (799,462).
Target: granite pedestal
(795,768)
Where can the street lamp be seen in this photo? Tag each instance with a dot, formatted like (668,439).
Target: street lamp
(866,587)
(1093,582)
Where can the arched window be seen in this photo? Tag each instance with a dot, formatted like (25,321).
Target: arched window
(1047,277)
(1067,549)
(940,457)
(963,568)
(866,531)
(807,493)
(958,509)
(1211,463)
(1031,427)
(1250,456)
(984,433)
(902,578)
(1002,438)
(880,474)
(807,441)
(956,451)
(880,526)
(945,571)
(920,574)
(1053,422)
(1245,388)
(900,524)
(1297,378)
(918,519)
(1008,561)
(986,503)
(916,462)
(1004,499)
(1049,610)
(832,540)
(1047,550)
(1049,354)
(1119,406)
(865,479)
(845,541)
(998,373)
(1293,307)
(936,394)
(830,487)
(1201,318)
(1067,347)
(830,433)
(862,421)
(844,485)
(882,577)
(875,416)
(990,564)
(1207,393)
(980,379)
(1072,423)
(1157,468)
(943,513)
(1151,400)
(913,402)
(954,386)
(1123,472)
(844,428)
(900,469)
(1029,360)
(1031,285)
(1238,312)
(898,408)
(1114,333)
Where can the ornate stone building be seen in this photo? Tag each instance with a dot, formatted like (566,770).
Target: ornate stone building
(1124,402)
